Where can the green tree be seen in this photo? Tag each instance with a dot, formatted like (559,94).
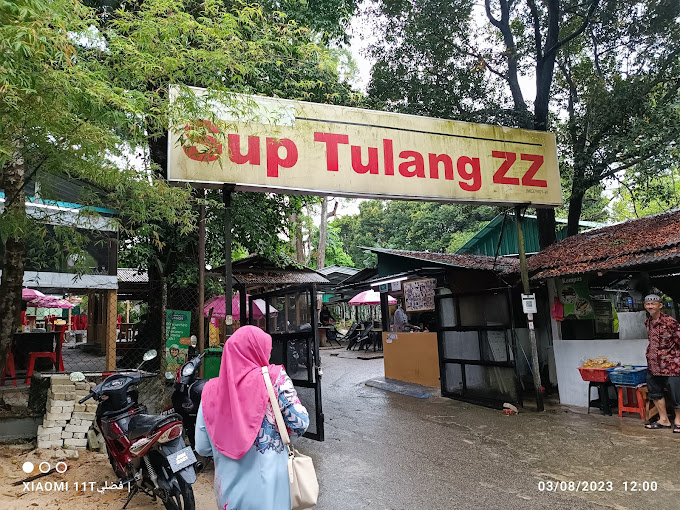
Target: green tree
(622,87)
(415,226)
(60,113)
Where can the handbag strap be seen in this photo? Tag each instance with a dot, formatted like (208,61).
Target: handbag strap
(277,410)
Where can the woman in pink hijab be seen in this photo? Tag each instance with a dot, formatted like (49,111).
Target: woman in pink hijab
(236,425)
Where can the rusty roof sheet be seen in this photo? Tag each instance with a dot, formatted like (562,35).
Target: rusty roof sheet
(648,240)
(483,262)
(279,277)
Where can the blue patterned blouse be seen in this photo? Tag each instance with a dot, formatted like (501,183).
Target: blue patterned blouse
(259,480)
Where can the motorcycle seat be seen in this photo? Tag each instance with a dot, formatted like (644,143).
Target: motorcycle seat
(144,424)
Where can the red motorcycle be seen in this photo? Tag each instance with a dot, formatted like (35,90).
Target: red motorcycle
(147,452)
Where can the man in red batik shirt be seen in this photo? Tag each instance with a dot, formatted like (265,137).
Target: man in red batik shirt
(663,362)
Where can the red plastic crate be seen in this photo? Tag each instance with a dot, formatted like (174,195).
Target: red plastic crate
(594,374)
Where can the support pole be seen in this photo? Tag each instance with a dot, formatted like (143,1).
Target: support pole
(201,275)
(227,190)
(530,317)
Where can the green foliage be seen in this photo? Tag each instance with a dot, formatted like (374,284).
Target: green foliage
(423,65)
(335,251)
(416,226)
(63,114)
(642,194)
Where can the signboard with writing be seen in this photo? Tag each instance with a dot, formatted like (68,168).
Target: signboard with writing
(419,295)
(268,144)
(178,334)
(574,294)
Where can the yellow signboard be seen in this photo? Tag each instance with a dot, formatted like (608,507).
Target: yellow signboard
(296,147)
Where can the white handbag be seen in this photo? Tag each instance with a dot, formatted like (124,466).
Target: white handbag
(304,487)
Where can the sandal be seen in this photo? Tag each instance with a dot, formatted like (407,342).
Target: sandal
(656,426)
(676,429)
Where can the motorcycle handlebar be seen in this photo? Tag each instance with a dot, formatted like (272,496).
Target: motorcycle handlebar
(86,398)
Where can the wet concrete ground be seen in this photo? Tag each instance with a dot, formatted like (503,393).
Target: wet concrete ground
(388,451)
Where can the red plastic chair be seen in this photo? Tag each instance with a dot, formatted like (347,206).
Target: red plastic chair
(61,329)
(9,369)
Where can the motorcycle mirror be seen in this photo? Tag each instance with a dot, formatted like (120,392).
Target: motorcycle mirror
(150,355)
(194,341)
(169,376)
(76,376)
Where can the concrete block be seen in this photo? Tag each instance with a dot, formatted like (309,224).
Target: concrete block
(49,430)
(74,421)
(83,385)
(54,423)
(84,416)
(56,437)
(61,403)
(92,440)
(91,408)
(80,407)
(66,435)
(77,428)
(63,388)
(78,443)
(49,444)
(57,416)
(79,435)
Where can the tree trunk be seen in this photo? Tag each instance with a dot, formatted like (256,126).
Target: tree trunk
(321,253)
(575,208)
(14,254)
(296,238)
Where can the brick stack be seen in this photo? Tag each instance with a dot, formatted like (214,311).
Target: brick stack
(66,422)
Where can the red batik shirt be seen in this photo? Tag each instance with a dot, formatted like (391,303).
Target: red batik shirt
(663,351)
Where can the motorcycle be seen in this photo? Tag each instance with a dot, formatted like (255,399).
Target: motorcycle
(187,395)
(147,452)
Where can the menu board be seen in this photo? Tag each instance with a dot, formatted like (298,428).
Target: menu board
(177,330)
(419,295)
(574,294)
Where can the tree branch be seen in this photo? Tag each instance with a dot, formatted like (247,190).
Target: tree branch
(537,29)
(494,21)
(579,31)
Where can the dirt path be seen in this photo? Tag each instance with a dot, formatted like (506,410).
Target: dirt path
(77,488)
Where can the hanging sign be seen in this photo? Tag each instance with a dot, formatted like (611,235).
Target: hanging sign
(419,295)
(267,144)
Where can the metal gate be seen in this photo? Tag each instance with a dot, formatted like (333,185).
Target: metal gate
(477,348)
(291,321)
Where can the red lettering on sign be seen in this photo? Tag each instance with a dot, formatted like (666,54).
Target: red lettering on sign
(499,177)
(357,164)
(474,174)
(388,152)
(274,161)
(417,162)
(435,159)
(331,142)
(528,179)
(213,148)
(253,154)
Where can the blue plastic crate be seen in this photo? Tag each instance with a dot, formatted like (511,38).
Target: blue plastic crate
(627,376)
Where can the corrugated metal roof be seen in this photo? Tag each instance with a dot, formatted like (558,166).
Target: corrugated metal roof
(280,277)
(127,275)
(468,261)
(648,240)
(485,242)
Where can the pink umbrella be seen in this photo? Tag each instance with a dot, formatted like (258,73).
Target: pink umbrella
(218,305)
(31,294)
(370,297)
(50,302)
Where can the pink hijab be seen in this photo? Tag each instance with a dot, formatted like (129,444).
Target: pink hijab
(234,403)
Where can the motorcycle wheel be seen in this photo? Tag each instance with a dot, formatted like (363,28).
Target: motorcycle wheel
(184,500)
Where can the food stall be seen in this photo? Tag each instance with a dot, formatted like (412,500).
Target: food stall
(410,348)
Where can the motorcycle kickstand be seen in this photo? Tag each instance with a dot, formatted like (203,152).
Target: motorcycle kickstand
(130,496)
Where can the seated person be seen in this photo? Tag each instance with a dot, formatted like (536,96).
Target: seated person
(325,316)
